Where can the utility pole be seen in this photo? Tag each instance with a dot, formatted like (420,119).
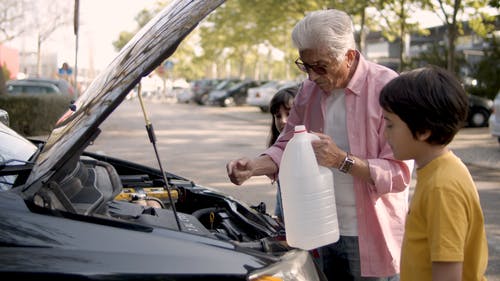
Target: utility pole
(75,29)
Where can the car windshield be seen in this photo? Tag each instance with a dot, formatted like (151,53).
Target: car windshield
(226,84)
(14,150)
(271,84)
(235,86)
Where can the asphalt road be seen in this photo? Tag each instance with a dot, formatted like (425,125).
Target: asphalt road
(196,142)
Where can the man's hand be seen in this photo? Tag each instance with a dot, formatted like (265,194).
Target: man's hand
(327,152)
(244,168)
(239,170)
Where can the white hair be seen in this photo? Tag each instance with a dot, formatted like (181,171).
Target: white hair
(332,29)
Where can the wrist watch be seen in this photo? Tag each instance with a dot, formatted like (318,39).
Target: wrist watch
(347,164)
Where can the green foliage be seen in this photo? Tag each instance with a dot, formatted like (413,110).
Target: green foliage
(236,40)
(122,40)
(34,115)
(142,18)
(5,71)
(4,76)
(487,71)
(437,55)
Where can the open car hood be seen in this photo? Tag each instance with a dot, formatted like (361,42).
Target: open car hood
(154,43)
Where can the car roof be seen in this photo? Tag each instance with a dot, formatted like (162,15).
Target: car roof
(62,84)
(33,84)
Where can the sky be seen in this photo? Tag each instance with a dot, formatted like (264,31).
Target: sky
(101,21)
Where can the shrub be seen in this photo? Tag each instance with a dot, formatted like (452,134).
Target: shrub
(34,115)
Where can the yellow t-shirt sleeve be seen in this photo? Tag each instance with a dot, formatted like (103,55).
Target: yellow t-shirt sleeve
(448,222)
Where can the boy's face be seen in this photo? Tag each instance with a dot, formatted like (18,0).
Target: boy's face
(399,137)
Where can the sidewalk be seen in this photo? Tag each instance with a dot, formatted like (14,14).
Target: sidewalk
(476,146)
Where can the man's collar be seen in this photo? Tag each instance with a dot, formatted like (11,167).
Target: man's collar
(357,80)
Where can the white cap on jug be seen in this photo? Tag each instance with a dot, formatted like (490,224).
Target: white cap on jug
(300,129)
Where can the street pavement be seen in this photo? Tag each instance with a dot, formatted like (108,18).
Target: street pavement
(196,142)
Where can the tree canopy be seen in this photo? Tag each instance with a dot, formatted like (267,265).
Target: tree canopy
(251,38)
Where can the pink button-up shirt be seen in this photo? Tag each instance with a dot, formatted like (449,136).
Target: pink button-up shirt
(381,208)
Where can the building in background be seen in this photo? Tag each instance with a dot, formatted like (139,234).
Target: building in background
(468,44)
(9,59)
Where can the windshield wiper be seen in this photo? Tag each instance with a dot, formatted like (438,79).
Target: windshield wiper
(7,170)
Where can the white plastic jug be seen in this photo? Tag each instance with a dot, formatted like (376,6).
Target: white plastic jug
(308,195)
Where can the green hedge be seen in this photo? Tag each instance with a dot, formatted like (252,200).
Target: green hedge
(34,115)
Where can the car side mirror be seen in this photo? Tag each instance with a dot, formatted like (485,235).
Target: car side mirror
(4,117)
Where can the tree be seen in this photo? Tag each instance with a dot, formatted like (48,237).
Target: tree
(240,37)
(142,19)
(11,19)
(488,70)
(48,16)
(450,12)
(395,16)
(11,26)
(241,26)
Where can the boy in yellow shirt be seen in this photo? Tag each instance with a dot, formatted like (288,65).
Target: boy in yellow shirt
(444,235)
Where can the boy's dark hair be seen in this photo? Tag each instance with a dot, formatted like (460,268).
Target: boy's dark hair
(428,98)
(283,97)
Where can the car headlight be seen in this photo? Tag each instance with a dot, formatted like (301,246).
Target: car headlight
(295,265)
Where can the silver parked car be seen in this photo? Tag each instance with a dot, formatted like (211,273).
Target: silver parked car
(494,122)
(261,96)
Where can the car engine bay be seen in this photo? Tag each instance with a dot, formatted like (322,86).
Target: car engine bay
(104,187)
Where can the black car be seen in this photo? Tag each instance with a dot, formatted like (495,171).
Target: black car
(68,214)
(480,110)
(201,88)
(232,94)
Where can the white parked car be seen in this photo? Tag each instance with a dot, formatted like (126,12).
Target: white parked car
(261,96)
(494,122)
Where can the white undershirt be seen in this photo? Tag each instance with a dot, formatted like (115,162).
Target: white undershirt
(336,128)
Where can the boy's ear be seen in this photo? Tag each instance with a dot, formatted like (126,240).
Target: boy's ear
(423,136)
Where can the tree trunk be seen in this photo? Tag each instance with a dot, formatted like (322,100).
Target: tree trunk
(451,48)
(402,40)
(3,89)
(361,38)
(39,56)
(452,35)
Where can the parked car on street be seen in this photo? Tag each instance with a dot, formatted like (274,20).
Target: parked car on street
(232,94)
(480,110)
(69,214)
(184,95)
(63,85)
(200,89)
(261,96)
(494,121)
(25,87)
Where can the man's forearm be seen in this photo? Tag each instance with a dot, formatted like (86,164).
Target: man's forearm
(264,165)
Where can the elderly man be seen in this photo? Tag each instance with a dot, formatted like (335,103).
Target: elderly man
(339,102)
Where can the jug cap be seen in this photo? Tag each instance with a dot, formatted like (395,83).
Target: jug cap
(300,129)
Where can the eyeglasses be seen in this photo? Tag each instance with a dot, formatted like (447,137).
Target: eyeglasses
(305,67)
